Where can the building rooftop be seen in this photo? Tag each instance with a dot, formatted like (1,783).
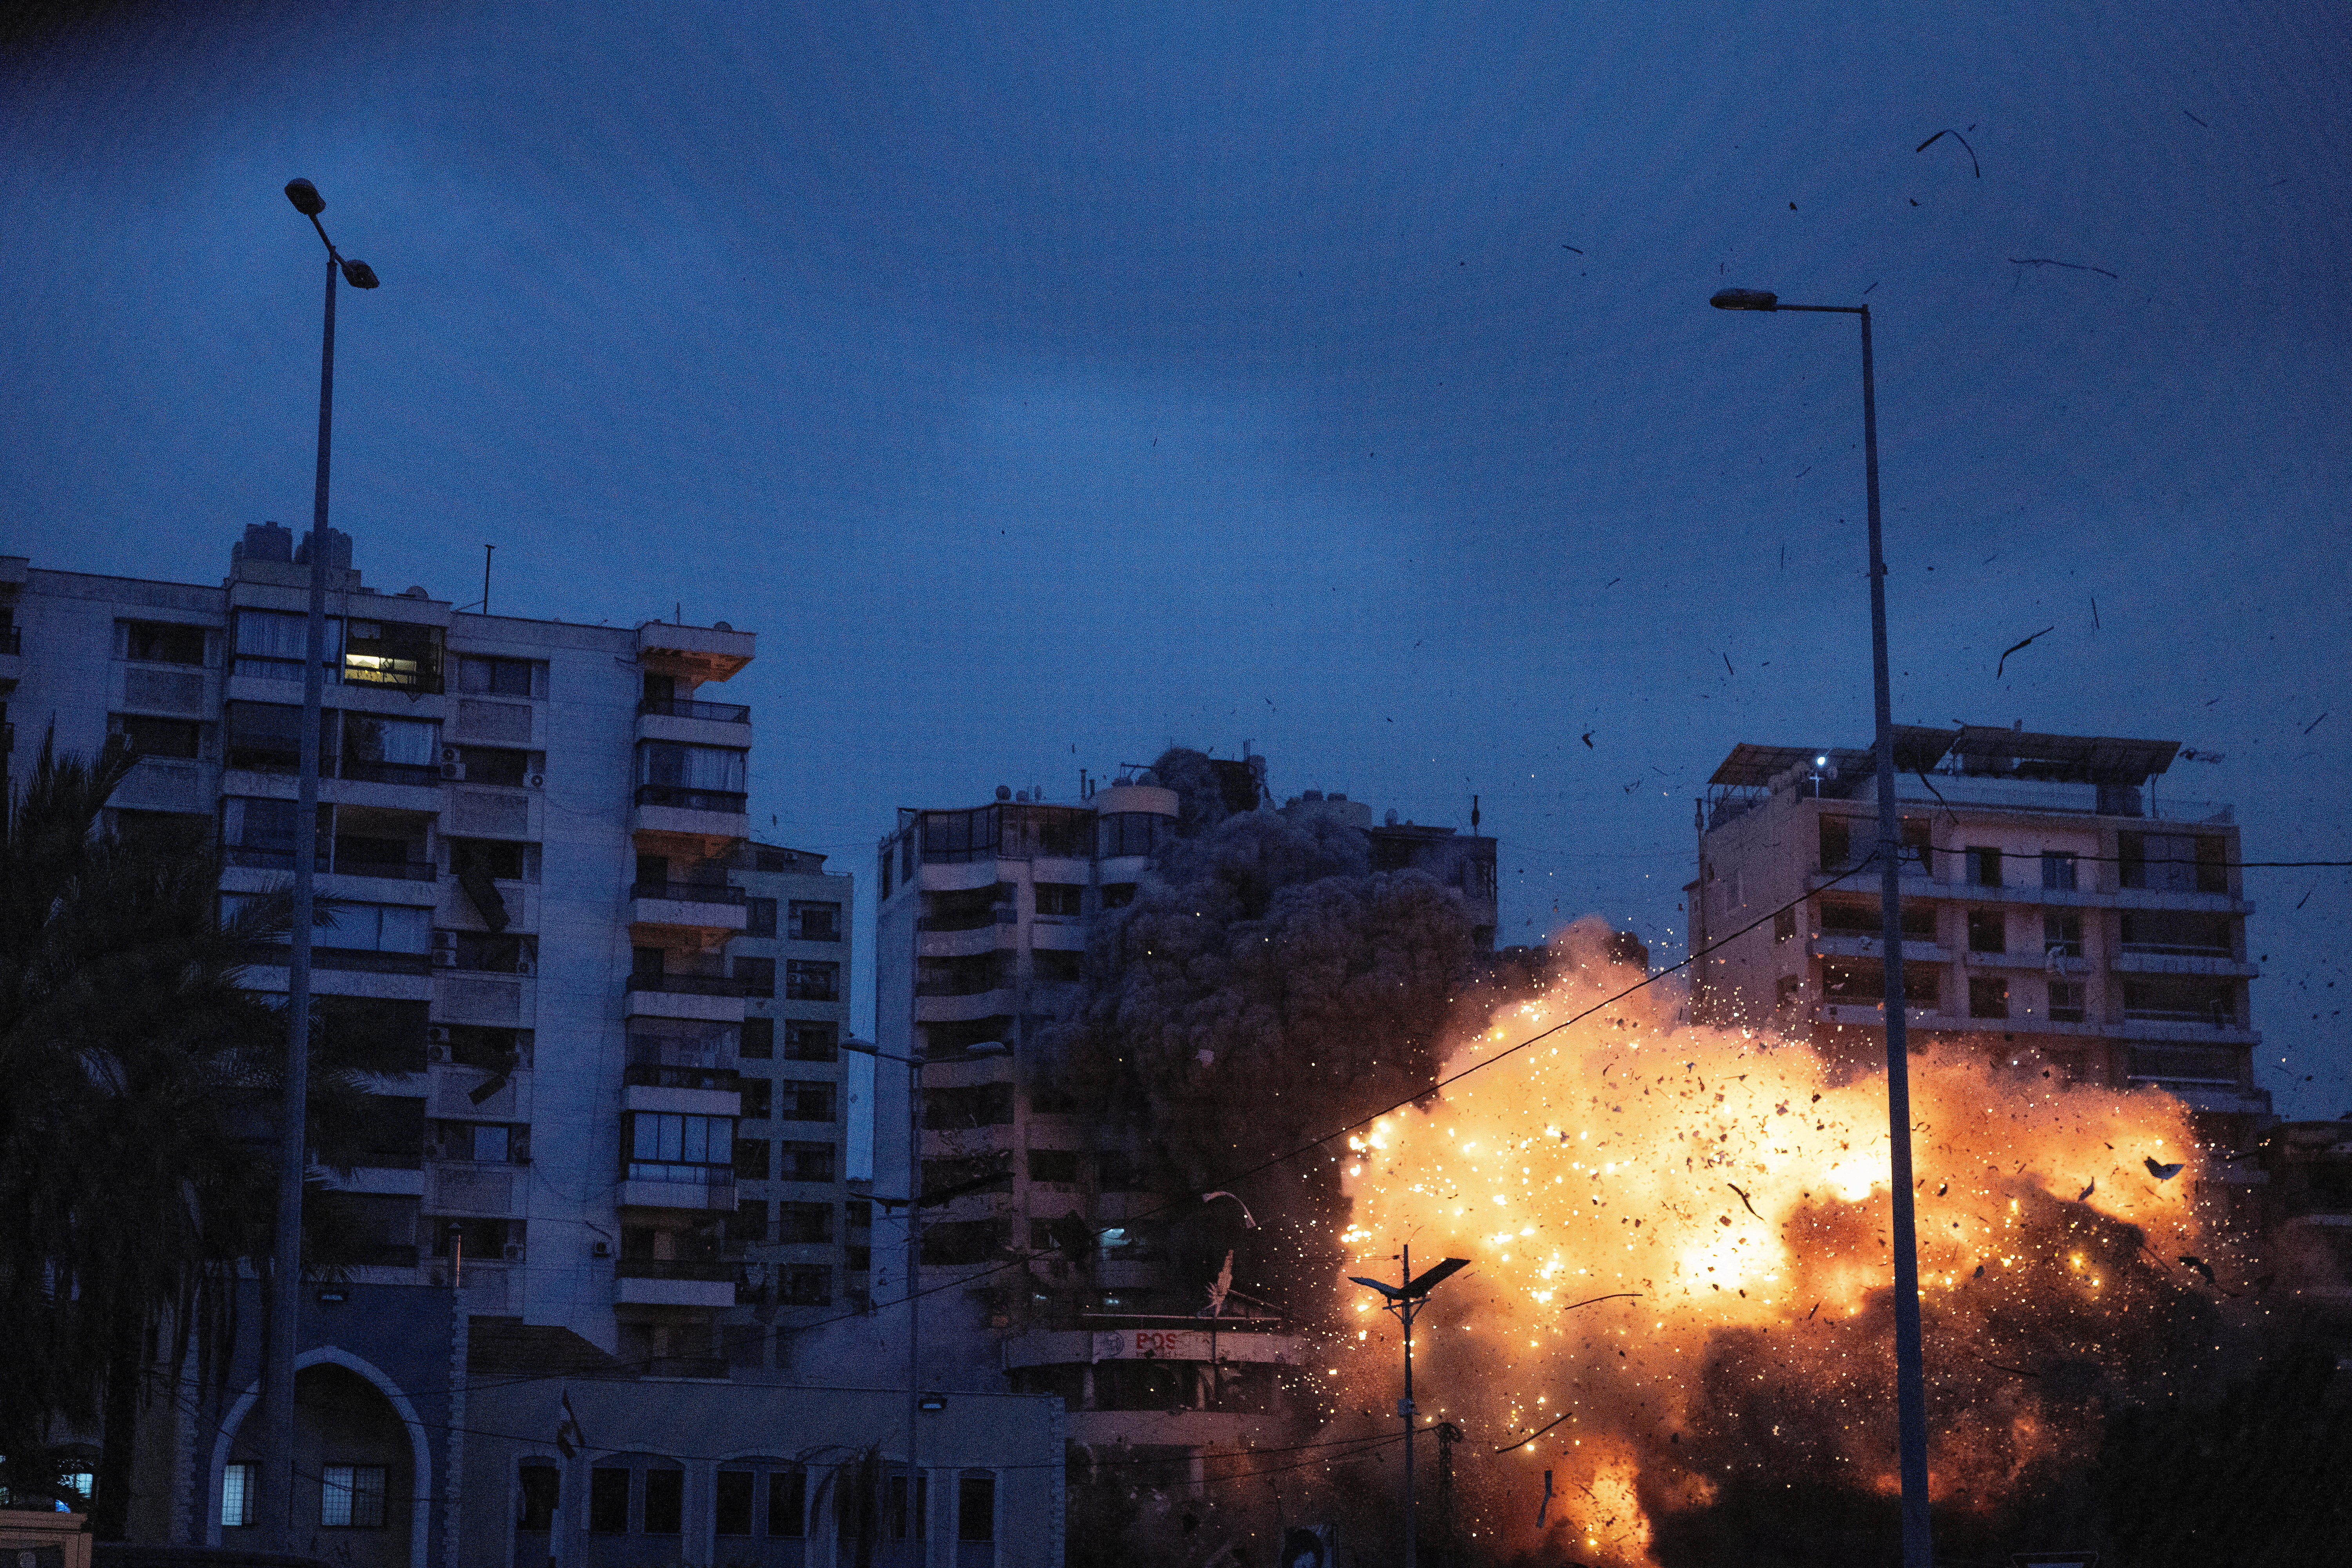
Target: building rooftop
(1983,750)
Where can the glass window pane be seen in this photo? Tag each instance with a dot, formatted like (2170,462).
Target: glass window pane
(787,1504)
(335,1496)
(665,1501)
(732,1513)
(644,1141)
(236,1495)
(696,1138)
(406,929)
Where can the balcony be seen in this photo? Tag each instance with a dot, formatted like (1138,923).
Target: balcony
(674,1283)
(678,797)
(280,858)
(697,906)
(684,708)
(418,775)
(690,985)
(699,824)
(651,1185)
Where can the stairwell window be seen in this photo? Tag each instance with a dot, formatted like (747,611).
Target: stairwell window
(351,1497)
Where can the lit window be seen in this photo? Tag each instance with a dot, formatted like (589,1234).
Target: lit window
(351,1497)
(236,1495)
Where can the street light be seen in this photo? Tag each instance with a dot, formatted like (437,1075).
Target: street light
(1406,1300)
(915,1404)
(286,1252)
(1910,1378)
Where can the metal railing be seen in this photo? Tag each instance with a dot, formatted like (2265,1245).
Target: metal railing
(423,776)
(691,984)
(710,1272)
(689,892)
(731,802)
(685,708)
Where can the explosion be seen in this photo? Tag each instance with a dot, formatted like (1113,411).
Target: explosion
(1682,1281)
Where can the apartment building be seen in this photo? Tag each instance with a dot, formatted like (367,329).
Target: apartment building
(1048,1272)
(525,834)
(799,1239)
(2060,909)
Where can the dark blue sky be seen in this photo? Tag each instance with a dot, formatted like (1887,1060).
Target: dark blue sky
(1059,375)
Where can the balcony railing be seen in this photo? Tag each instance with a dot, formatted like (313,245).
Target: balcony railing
(424,775)
(689,892)
(661,1075)
(684,1175)
(683,708)
(712,1272)
(275,860)
(691,984)
(974,920)
(731,802)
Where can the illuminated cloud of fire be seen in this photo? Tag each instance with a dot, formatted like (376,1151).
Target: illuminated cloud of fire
(1679,1239)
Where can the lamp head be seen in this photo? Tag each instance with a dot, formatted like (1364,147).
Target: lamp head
(1746,300)
(305,197)
(360,275)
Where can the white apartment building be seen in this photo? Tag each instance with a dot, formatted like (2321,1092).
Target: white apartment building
(2060,910)
(526,831)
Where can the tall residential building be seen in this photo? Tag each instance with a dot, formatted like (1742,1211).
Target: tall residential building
(799,1234)
(2059,911)
(526,833)
(1038,1276)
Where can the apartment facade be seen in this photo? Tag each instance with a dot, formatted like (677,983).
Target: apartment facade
(1043,1268)
(2061,909)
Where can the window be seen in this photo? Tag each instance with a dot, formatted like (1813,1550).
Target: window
(1052,1165)
(542,1487)
(1866,984)
(813,920)
(1118,1171)
(757,975)
(1914,846)
(803,1223)
(2174,862)
(1130,833)
(759,920)
(1849,918)
(1987,996)
(668,1146)
(498,858)
(787,1505)
(750,1159)
(1059,899)
(749,1222)
(270,643)
(391,750)
(495,952)
(1057,968)
(378,928)
(755,1094)
(810,979)
(885,873)
(805,1101)
(1790,991)
(730,1513)
(1983,867)
(162,642)
(397,653)
(499,765)
(2058,869)
(666,764)
(2061,935)
(806,1042)
(485,1142)
(2180,933)
(491,1049)
(1117,895)
(502,677)
(1988,931)
(161,737)
(1836,834)
(351,1497)
(2066,1001)
(665,1501)
(256,832)
(808,1285)
(759,1038)
(804,1161)
(236,1496)
(1784,925)
(976,1507)
(267,737)
(608,1500)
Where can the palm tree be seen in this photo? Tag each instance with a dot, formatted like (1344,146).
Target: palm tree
(137,1152)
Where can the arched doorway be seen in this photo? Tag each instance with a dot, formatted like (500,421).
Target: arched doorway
(358,1489)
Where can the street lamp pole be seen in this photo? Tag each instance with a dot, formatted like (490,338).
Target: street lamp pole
(285,1251)
(915,1066)
(1406,1300)
(1910,1376)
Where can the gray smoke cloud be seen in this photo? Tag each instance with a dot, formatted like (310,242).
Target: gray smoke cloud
(1266,987)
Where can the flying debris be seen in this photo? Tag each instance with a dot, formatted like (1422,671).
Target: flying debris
(2045,261)
(1743,1199)
(1588,741)
(2161,1173)
(2004,657)
(2191,1261)
(2084,1196)
(1955,136)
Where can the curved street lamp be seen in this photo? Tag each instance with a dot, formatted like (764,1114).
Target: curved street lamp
(1910,1378)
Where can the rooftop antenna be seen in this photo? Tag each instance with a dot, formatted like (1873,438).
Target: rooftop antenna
(1474,814)
(487,550)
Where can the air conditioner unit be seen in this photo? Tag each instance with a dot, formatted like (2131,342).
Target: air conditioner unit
(523,966)
(514,1252)
(448,753)
(448,939)
(445,958)
(453,770)
(437,1033)
(537,781)
(436,1053)
(601,1250)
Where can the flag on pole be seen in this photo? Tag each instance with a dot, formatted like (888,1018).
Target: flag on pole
(569,1438)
